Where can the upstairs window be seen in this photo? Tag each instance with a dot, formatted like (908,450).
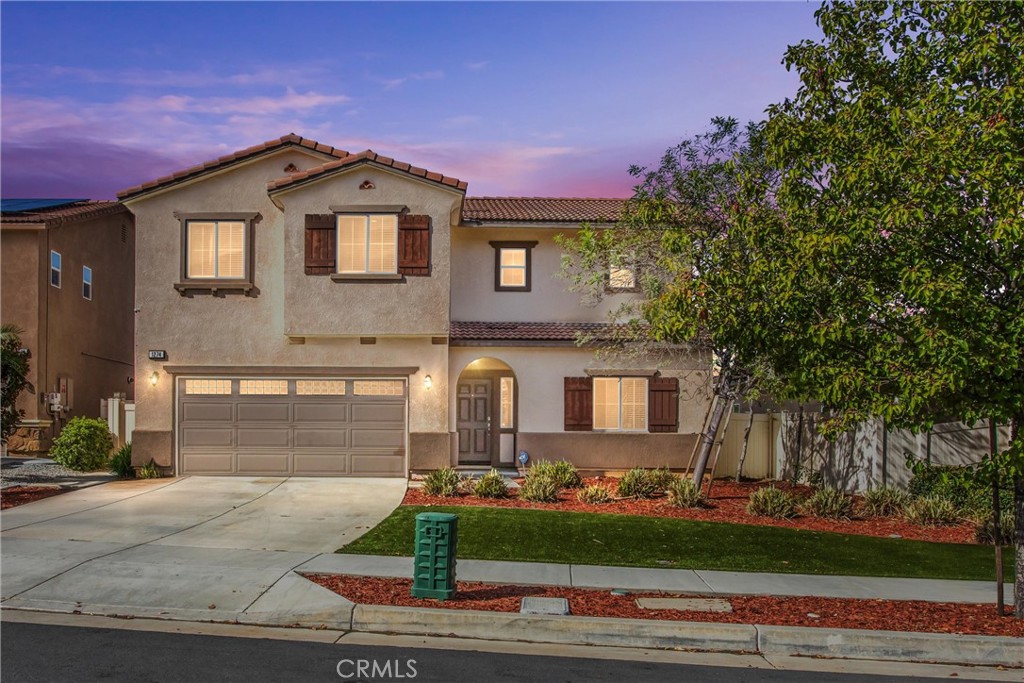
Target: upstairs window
(512,266)
(620,404)
(621,279)
(55,269)
(87,283)
(367,244)
(215,250)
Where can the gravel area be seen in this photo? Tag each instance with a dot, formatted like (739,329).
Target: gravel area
(19,472)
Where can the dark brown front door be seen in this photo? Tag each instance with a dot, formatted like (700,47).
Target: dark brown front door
(476,443)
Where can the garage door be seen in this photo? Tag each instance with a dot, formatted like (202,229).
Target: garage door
(300,426)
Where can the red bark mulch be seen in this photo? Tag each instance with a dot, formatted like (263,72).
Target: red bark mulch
(886,615)
(728,503)
(19,495)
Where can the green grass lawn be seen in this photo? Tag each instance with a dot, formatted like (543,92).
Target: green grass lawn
(635,541)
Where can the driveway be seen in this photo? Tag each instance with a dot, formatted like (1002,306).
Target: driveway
(202,548)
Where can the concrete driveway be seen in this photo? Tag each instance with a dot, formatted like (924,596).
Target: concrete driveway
(207,548)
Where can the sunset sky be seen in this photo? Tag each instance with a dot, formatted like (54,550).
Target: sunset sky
(549,99)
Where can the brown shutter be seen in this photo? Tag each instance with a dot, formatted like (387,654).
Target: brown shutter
(321,240)
(579,404)
(413,245)
(663,404)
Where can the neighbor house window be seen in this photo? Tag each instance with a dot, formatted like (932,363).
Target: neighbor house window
(512,266)
(87,282)
(55,269)
(621,278)
(368,244)
(507,387)
(620,403)
(216,252)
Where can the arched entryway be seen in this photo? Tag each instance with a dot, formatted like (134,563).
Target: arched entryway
(486,413)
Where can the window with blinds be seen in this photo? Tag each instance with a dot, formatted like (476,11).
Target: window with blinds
(620,403)
(216,250)
(368,244)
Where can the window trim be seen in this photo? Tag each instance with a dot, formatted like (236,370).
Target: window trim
(58,269)
(245,285)
(646,404)
(498,246)
(338,275)
(87,282)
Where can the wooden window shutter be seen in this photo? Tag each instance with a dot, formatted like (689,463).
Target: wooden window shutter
(321,244)
(663,404)
(579,404)
(413,245)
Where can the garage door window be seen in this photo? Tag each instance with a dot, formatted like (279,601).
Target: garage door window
(263,387)
(208,387)
(320,387)
(364,387)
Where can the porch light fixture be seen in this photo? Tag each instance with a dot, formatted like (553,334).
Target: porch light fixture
(154,377)
(427,382)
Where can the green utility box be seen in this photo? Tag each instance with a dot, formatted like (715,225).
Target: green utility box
(437,534)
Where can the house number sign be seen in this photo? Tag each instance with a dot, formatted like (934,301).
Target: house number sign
(157,354)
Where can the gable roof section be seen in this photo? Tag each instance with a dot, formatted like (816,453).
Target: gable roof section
(290,140)
(77,210)
(365,157)
(541,210)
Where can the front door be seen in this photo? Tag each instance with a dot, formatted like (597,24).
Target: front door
(476,443)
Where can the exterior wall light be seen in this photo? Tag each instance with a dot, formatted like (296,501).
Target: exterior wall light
(427,382)
(154,377)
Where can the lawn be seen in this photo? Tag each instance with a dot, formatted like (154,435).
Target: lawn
(635,541)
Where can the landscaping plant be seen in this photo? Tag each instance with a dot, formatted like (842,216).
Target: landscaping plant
(121,462)
(14,367)
(491,485)
(829,503)
(562,472)
(884,501)
(149,471)
(663,478)
(83,445)
(539,488)
(595,494)
(444,482)
(772,502)
(637,483)
(932,510)
(685,493)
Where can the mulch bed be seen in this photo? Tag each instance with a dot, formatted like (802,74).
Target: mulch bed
(728,503)
(19,495)
(887,615)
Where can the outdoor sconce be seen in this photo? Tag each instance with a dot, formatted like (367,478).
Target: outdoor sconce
(427,382)
(154,377)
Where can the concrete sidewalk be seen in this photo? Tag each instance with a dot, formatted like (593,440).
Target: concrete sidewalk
(701,582)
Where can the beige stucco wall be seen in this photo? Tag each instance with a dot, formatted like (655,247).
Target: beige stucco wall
(20,282)
(473,295)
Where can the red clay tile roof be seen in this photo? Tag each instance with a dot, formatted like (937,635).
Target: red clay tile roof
(366,156)
(288,140)
(541,210)
(67,213)
(524,331)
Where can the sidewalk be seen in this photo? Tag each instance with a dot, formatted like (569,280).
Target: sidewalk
(700,582)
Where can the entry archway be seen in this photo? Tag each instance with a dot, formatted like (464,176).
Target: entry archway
(486,413)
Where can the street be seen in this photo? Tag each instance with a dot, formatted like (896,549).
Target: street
(48,653)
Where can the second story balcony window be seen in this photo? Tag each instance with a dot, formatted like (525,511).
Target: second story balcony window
(368,244)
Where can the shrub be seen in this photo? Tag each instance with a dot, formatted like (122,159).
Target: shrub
(772,502)
(637,483)
(595,494)
(663,478)
(932,510)
(83,445)
(562,472)
(443,482)
(149,471)
(830,504)
(885,501)
(685,493)
(985,531)
(539,489)
(954,483)
(121,462)
(491,485)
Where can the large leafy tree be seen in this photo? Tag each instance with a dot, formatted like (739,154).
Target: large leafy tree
(14,366)
(902,191)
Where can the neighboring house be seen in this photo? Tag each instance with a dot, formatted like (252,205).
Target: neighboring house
(68,267)
(303,310)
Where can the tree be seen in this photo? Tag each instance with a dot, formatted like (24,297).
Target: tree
(15,366)
(902,187)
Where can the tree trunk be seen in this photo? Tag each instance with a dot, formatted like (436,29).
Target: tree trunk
(708,438)
(1018,535)
(746,442)
(997,526)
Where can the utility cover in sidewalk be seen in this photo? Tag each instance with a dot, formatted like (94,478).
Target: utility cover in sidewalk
(544,606)
(685,604)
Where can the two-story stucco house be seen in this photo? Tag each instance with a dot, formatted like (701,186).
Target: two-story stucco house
(303,310)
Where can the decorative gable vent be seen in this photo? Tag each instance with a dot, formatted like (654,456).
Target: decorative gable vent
(367,185)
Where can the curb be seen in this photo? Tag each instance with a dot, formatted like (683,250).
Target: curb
(683,635)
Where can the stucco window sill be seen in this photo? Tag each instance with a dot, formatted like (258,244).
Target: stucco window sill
(368,277)
(188,288)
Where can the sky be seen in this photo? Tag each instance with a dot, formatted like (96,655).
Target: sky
(521,99)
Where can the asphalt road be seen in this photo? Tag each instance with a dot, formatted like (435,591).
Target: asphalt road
(50,654)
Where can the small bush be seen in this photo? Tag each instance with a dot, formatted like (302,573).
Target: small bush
(562,472)
(443,482)
(637,483)
(830,504)
(772,502)
(663,478)
(956,484)
(491,485)
(149,471)
(985,532)
(83,445)
(932,510)
(595,494)
(121,462)
(885,501)
(539,489)
(685,493)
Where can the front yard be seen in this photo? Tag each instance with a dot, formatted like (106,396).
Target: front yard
(491,533)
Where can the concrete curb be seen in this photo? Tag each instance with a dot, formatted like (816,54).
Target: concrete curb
(682,635)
